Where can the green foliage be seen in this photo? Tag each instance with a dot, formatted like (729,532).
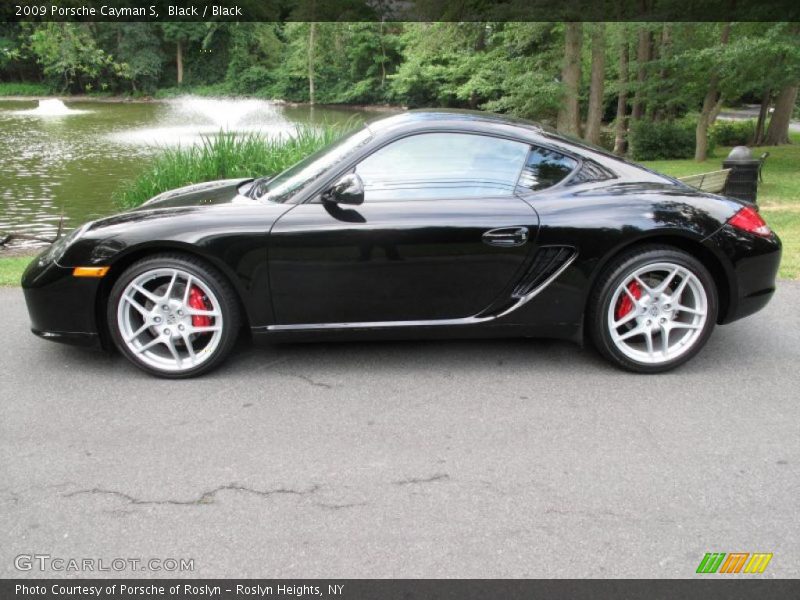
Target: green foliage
(443,65)
(23,89)
(140,48)
(733,133)
(525,64)
(227,155)
(351,62)
(72,60)
(664,139)
(254,55)
(184,31)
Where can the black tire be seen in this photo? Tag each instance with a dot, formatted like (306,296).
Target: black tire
(615,274)
(210,277)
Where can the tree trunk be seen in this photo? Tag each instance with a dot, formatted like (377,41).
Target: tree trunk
(621,126)
(758,135)
(778,130)
(312,34)
(383,55)
(179,61)
(569,115)
(711,105)
(595,115)
(642,58)
(660,113)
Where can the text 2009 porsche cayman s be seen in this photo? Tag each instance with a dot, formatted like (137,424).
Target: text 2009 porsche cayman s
(423,224)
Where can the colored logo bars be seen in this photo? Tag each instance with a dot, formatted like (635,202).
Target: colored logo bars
(736,562)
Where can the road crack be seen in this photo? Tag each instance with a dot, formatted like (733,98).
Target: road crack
(329,506)
(309,381)
(417,480)
(206,497)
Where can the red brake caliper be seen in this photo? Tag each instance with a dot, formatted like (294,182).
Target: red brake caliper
(625,304)
(198,302)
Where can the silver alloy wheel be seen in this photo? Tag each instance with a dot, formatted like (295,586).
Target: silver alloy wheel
(156,319)
(668,309)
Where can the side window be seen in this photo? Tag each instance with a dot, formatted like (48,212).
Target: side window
(432,166)
(544,168)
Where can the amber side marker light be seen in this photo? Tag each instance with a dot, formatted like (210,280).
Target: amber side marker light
(89,271)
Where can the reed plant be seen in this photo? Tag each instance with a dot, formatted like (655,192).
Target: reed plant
(224,156)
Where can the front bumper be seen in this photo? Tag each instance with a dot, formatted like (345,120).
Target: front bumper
(753,270)
(61,307)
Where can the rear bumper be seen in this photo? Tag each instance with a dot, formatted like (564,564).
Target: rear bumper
(754,263)
(61,307)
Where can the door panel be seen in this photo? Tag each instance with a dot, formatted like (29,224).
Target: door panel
(394,260)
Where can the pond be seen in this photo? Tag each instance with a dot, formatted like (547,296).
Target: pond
(69,157)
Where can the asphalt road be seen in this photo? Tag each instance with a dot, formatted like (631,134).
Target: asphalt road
(750,111)
(439,459)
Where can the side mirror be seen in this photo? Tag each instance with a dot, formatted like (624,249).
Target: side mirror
(348,190)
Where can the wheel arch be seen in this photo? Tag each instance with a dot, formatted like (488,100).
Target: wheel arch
(691,245)
(125,259)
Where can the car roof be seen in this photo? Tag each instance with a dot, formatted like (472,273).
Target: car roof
(453,116)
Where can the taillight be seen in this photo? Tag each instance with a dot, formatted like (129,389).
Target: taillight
(749,220)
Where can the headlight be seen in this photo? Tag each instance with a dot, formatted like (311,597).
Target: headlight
(57,248)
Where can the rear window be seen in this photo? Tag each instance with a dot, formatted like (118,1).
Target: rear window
(544,168)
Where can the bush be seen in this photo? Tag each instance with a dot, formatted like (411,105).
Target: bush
(23,89)
(226,156)
(733,133)
(664,139)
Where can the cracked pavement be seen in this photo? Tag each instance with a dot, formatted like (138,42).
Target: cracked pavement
(509,458)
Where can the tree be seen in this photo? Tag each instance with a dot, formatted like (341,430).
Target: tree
(621,122)
(138,45)
(181,33)
(312,34)
(761,122)
(711,105)
(786,100)
(778,131)
(569,116)
(68,52)
(254,57)
(642,58)
(519,72)
(445,64)
(598,74)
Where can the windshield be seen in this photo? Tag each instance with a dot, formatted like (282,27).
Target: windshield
(284,185)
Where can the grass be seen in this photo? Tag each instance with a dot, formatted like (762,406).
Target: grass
(23,89)
(213,90)
(225,156)
(11,269)
(778,196)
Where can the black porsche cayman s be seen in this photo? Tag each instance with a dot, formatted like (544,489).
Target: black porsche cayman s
(430,223)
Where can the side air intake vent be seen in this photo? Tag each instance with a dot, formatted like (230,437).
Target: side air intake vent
(547,261)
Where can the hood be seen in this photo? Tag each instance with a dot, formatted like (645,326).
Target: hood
(211,192)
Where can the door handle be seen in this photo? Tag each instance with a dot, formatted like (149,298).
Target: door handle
(506,236)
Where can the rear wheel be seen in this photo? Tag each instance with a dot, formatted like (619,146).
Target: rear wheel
(653,309)
(173,316)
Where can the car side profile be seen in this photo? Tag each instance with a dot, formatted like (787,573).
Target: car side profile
(423,224)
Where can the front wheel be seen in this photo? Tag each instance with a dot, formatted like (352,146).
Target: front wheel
(173,316)
(653,309)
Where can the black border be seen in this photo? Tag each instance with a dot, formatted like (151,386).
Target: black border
(418,10)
